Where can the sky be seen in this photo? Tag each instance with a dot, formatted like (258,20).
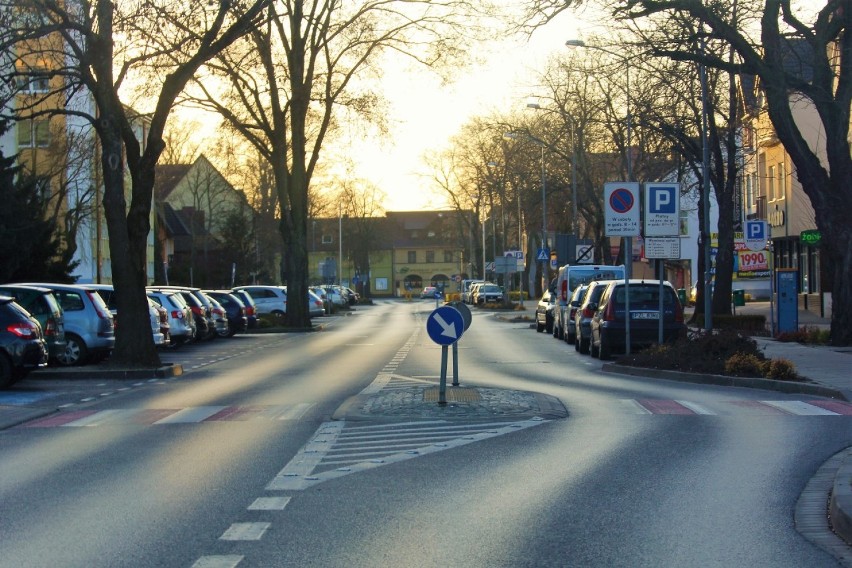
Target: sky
(426,115)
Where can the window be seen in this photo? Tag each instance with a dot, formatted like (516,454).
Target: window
(35,81)
(33,134)
(412,257)
(750,193)
(327,239)
(448,256)
(430,256)
(770,183)
(782,181)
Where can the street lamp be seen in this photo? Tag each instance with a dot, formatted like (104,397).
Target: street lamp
(573,164)
(628,241)
(534,140)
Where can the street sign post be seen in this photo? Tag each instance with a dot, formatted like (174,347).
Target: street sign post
(445,325)
(756,235)
(662,209)
(621,209)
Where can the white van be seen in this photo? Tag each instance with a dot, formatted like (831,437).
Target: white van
(572,275)
(465,289)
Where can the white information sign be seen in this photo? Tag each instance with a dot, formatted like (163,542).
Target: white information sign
(621,209)
(662,247)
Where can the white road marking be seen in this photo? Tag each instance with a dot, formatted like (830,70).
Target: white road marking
(269,504)
(633,406)
(245,531)
(799,408)
(695,407)
(191,414)
(223,561)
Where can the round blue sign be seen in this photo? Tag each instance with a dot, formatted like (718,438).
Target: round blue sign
(445,325)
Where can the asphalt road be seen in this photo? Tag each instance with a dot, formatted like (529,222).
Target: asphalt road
(239,463)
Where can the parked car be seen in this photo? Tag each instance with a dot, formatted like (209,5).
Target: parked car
(428,292)
(202,299)
(267,299)
(42,305)
(181,320)
(107,293)
(583,316)
(335,296)
(316,307)
(466,289)
(250,307)
(235,310)
(568,333)
(487,294)
(608,324)
(22,345)
(322,295)
(89,325)
(544,312)
(200,312)
(220,316)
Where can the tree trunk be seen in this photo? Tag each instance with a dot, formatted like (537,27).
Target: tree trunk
(134,344)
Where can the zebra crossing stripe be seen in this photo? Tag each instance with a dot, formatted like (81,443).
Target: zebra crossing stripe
(799,408)
(696,408)
(191,414)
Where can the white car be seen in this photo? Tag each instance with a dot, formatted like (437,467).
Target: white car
(268,299)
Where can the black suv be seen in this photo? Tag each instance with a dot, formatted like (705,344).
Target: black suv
(22,345)
(608,330)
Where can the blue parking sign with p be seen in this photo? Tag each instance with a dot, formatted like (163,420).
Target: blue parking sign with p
(756,230)
(662,199)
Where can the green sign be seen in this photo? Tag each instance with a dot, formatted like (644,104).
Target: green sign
(811,237)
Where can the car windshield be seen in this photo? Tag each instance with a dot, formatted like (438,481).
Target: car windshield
(645,296)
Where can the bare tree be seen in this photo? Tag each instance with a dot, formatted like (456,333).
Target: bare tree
(86,52)
(310,66)
(817,42)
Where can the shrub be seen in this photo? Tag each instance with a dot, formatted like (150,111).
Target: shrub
(698,352)
(807,335)
(745,365)
(781,370)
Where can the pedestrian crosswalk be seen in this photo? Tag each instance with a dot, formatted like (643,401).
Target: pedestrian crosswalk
(246,413)
(166,416)
(762,407)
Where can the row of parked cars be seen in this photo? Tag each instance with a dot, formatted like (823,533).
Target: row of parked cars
(481,292)
(74,324)
(597,315)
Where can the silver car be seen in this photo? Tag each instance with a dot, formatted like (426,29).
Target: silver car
(181,320)
(89,325)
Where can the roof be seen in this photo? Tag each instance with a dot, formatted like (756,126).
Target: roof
(167,177)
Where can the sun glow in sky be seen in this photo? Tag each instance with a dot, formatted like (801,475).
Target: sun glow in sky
(426,115)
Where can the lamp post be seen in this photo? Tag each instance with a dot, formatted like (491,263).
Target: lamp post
(572,124)
(534,140)
(628,241)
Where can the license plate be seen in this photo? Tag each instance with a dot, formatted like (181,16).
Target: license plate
(645,315)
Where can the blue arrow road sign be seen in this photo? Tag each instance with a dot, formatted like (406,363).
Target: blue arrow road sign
(445,325)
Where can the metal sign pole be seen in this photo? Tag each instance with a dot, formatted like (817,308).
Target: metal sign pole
(442,390)
(456,364)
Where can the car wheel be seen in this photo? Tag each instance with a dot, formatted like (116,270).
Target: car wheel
(539,327)
(278,313)
(76,352)
(582,345)
(570,338)
(593,349)
(548,325)
(6,378)
(604,349)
